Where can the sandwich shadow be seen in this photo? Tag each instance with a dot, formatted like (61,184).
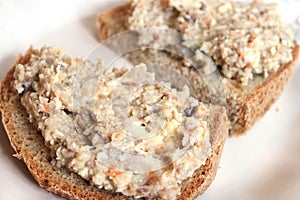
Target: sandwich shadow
(5,63)
(4,142)
(89,22)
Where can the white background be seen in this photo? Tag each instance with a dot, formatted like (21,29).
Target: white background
(264,164)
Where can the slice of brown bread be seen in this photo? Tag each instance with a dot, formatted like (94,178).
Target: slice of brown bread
(29,146)
(245,104)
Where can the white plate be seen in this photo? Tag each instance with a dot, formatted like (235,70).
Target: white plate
(264,164)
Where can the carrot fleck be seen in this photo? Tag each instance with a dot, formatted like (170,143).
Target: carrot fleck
(113,173)
(207,22)
(142,4)
(47,110)
(242,56)
(185,25)
(116,135)
(159,149)
(164,106)
(164,2)
(202,109)
(251,19)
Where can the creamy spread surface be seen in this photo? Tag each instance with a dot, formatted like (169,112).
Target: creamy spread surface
(245,38)
(120,129)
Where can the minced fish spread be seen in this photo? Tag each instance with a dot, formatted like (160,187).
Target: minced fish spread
(120,129)
(245,38)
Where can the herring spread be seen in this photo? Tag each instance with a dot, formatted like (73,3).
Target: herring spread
(245,38)
(120,129)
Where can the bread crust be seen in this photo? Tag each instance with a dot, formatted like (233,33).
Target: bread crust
(257,102)
(244,111)
(30,148)
(106,20)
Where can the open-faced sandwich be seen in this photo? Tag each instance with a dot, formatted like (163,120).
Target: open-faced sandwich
(254,49)
(90,132)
